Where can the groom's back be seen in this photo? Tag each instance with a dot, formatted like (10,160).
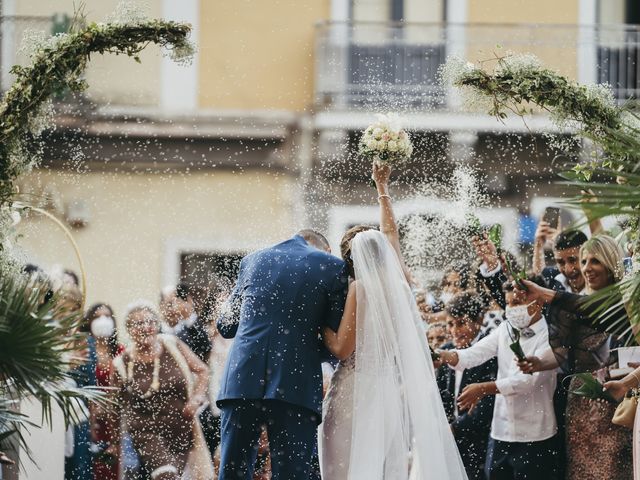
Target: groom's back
(288,292)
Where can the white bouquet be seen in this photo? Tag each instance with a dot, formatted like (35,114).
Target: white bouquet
(385,141)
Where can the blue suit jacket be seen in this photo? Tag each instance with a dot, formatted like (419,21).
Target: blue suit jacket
(284,295)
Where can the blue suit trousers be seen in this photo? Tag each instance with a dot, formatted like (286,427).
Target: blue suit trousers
(292,433)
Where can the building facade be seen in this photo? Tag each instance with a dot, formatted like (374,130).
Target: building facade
(167,172)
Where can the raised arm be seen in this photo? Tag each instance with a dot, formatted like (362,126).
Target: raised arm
(342,342)
(490,269)
(543,232)
(388,225)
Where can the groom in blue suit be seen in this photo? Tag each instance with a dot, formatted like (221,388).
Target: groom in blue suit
(284,296)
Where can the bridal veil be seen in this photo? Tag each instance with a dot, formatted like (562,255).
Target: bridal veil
(400,430)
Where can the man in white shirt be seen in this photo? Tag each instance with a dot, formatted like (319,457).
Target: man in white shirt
(523,442)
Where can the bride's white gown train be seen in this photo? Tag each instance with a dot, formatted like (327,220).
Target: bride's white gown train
(383,416)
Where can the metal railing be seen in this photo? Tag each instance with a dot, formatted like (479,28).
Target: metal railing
(393,64)
(618,60)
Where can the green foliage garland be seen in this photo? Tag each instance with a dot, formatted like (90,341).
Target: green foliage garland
(36,339)
(611,181)
(60,65)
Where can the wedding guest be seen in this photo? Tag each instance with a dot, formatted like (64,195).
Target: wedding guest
(181,319)
(78,462)
(160,384)
(438,335)
(522,443)
(566,275)
(595,447)
(178,307)
(470,428)
(99,321)
(220,347)
(618,389)
(455,280)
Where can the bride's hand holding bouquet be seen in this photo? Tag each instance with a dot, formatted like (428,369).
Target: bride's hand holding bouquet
(380,175)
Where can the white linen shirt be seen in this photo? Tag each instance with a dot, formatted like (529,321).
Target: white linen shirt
(523,410)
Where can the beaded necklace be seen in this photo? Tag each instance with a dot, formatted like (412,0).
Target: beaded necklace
(155,379)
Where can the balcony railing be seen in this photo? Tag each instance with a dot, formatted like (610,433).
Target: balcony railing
(618,60)
(371,65)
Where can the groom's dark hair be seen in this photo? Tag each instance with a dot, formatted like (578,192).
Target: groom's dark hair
(314,238)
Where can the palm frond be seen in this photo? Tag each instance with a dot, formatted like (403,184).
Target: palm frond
(37,348)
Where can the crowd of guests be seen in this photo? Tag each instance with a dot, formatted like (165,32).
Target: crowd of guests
(159,369)
(512,414)
(515,416)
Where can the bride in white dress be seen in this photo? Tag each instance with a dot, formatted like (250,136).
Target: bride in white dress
(383,416)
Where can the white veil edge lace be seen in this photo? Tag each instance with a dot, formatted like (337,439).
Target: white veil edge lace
(400,430)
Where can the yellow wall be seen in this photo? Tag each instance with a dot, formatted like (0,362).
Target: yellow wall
(258,55)
(134,216)
(549,39)
(523,11)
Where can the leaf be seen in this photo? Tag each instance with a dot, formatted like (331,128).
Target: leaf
(495,235)
(591,388)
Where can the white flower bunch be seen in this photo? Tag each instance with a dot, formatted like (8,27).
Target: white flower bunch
(454,69)
(182,54)
(128,12)
(385,141)
(518,64)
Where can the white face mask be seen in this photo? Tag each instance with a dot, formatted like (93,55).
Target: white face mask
(519,316)
(446,297)
(103,327)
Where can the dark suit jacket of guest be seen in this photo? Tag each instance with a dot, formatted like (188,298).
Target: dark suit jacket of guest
(471,430)
(197,339)
(284,296)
